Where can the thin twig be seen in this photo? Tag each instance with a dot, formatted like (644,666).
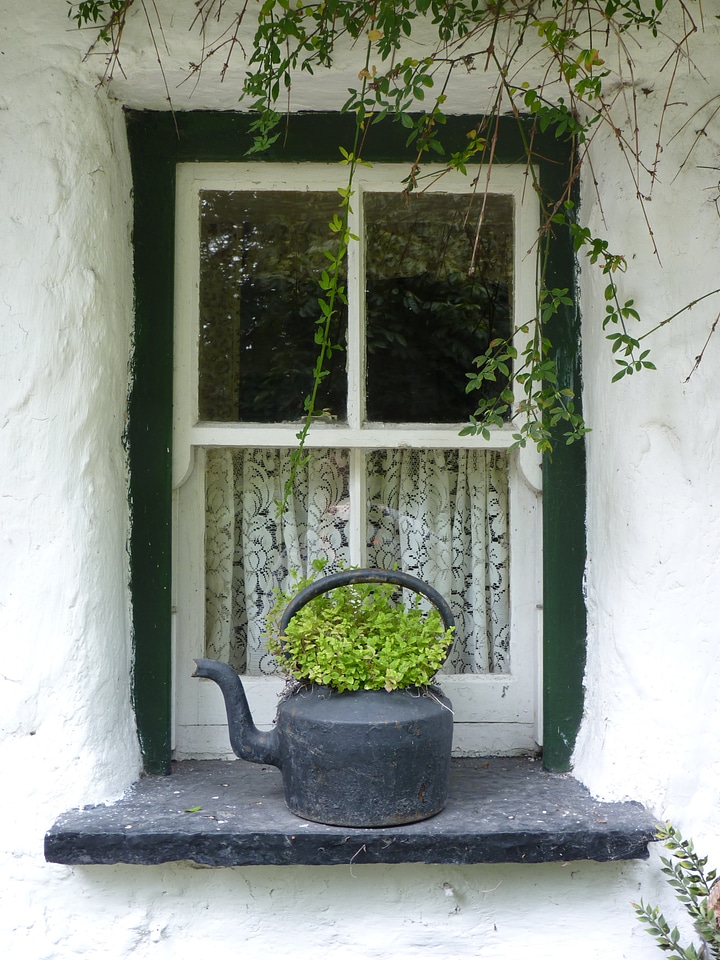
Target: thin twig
(160,63)
(699,357)
(688,306)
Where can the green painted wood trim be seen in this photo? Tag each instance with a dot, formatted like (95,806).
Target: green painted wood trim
(155,148)
(564,540)
(149,444)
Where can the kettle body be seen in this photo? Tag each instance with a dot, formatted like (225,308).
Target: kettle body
(362,758)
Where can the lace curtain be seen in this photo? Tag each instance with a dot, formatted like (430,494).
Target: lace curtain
(441,515)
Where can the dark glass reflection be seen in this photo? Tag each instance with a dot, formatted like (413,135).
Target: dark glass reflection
(428,317)
(261,255)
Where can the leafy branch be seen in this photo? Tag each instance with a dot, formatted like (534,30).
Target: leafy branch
(697,889)
(108,17)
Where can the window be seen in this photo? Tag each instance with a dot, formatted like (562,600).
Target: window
(222,433)
(389,481)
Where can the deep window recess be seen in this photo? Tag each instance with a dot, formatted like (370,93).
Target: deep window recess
(380,442)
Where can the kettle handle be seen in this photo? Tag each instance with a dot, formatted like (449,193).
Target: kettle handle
(366,575)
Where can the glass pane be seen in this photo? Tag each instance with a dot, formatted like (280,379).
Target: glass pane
(442,515)
(250,550)
(428,314)
(261,255)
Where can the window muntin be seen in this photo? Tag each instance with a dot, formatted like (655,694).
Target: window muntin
(502,704)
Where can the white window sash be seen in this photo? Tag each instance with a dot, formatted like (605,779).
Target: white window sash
(493,713)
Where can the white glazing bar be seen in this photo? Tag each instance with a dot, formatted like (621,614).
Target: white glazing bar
(358,499)
(413,436)
(356,382)
(355,360)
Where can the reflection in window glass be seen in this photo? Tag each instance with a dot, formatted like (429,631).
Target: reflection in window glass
(428,314)
(261,254)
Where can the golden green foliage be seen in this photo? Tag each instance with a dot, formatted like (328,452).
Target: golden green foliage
(360,637)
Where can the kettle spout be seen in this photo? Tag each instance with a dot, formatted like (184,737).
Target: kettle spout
(246,740)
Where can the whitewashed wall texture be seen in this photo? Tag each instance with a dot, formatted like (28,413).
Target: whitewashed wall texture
(67,734)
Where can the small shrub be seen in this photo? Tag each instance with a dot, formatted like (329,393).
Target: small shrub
(698,889)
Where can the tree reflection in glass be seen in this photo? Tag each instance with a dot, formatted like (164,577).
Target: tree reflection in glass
(261,254)
(427,316)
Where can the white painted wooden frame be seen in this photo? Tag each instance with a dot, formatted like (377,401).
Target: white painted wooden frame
(494,714)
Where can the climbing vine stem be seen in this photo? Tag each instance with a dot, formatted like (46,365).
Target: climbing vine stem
(331,285)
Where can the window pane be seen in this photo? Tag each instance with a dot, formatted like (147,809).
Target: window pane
(442,515)
(261,254)
(427,316)
(250,550)
(439,514)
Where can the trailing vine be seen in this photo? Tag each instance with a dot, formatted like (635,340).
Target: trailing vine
(568,43)
(332,291)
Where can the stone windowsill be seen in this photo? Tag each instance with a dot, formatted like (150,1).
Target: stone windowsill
(500,811)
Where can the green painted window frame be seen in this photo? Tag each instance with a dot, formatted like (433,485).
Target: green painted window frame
(158,141)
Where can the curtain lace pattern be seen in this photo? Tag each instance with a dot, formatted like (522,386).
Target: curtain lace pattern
(441,515)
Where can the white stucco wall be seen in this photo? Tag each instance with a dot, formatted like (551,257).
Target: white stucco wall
(67,732)
(653,580)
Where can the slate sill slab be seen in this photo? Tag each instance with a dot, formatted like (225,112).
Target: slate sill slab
(500,811)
